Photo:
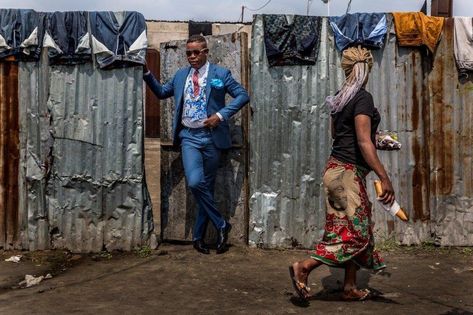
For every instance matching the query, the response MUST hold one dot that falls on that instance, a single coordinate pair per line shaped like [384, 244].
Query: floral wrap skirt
[348, 227]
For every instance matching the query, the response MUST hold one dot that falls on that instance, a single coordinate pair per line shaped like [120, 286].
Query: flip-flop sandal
[352, 296]
[301, 289]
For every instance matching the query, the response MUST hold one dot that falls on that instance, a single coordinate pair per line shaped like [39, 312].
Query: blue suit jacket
[215, 100]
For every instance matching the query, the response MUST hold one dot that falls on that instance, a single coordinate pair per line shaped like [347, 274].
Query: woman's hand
[387, 196]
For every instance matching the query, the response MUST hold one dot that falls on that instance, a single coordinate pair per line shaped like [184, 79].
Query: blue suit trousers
[201, 159]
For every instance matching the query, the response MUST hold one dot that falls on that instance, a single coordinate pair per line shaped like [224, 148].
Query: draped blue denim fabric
[118, 38]
[67, 37]
[21, 33]
[367, 29]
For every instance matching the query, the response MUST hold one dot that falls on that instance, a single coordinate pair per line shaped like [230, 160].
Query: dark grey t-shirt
[345, 145]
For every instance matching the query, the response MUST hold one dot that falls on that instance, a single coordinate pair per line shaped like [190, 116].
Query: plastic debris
[15, 258]
[387, 140]
[32, 280]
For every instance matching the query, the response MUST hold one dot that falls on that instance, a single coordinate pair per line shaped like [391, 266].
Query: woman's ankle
[310, 264]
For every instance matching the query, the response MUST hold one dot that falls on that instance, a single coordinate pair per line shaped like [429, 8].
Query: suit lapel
[208, 86]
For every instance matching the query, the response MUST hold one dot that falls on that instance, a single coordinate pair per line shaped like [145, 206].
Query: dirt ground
[177, 280]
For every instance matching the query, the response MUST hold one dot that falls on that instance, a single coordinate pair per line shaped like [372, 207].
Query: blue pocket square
[216, 83]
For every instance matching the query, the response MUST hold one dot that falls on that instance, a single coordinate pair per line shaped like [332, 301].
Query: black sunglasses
[195, 52]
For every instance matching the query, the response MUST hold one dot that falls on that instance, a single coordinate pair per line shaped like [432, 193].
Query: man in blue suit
[200, 126]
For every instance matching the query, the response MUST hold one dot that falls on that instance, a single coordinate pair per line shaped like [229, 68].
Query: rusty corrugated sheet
[289, 144]
[397, 82]
[451, 148]
[35, 142]
[82, 155]
[418, 95]
[9, 153]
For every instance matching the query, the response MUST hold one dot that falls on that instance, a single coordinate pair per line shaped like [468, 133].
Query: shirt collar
[202, 69]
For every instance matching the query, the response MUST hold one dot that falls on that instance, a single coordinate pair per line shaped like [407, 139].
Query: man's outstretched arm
[160, 90]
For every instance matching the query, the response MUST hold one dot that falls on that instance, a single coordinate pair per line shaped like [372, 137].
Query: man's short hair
[197, 39]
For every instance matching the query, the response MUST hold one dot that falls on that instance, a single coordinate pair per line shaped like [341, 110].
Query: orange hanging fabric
[416, 29]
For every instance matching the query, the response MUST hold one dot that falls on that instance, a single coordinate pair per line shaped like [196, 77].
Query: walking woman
[348, 238]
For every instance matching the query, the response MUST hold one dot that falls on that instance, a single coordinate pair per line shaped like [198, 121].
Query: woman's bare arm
[368, 150]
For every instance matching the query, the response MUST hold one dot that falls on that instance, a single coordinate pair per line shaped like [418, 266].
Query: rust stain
[9, 152]
[420, 183]
[3, 137]
[421, 171]
[464, 132]
[442, 113]
[466, 140]
[415, 101]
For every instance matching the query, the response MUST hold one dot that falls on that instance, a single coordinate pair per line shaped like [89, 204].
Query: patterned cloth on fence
[67, 38]
[118, 38]
[292, 40]
[21, 33]
[348, 227]
[463, 38]
[367, 29]
[416, 29]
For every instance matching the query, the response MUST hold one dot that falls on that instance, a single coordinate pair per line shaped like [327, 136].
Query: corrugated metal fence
[80, 179]
[417, 95]
[79, 150]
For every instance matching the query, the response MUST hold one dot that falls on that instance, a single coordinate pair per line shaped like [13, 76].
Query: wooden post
[245, 69]
[442, 8]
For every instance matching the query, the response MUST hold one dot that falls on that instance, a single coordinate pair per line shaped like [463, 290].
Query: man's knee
[195, 181]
